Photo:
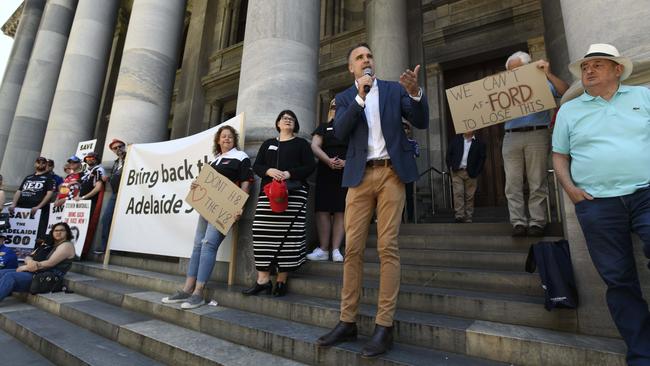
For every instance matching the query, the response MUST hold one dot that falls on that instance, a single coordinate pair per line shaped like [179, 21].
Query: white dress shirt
[467, 145]
[376, 143]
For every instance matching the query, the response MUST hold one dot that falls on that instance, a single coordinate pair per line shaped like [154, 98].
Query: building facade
[151, 70]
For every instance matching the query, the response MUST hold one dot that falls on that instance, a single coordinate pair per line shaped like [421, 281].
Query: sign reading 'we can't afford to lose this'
[216, 198]
[499, 98]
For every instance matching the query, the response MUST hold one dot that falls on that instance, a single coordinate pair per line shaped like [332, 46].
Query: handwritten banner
[216, 198]
[499, 98]
[155, 179]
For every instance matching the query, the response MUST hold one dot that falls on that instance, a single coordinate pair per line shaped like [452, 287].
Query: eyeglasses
[59, 231]
[287, 118]
[117, 147]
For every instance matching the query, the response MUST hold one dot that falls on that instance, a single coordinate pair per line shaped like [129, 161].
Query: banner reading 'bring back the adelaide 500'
[150, 214]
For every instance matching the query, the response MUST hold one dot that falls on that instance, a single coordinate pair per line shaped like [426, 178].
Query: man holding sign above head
[525, 154]
[600, 155]
[236, 166]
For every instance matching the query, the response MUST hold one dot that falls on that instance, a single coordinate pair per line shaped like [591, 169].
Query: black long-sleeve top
[296, 157]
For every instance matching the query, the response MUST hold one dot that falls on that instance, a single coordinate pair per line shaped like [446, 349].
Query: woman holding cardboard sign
[236, 166]
[283, 163]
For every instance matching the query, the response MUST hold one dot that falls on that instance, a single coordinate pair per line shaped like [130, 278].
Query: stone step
[15, 352]
[165, 342]
[506, 308]
[501, 261]
[279, 336]
[507, 343]
[464, 242]
[510, 282]
[472, 229]
[480, 305]
[63, 342]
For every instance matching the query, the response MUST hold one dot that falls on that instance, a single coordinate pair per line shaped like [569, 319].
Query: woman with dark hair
[236, 166]
[58, 261]
[279, 233]
[330, 195]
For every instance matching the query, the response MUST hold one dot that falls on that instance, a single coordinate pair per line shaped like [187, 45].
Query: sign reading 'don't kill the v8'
[499, 98]
[216, 198]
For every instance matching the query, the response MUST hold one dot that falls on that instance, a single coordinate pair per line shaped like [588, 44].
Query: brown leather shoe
[380, 342]
[342, 332]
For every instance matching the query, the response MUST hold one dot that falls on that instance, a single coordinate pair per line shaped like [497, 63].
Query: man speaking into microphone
[379, 162]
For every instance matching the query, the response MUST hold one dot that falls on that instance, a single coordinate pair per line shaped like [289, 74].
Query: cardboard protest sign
[499, 98]
[216, 198]
[22, 234]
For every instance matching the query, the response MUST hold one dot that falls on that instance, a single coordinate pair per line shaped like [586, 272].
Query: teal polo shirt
[609, 142]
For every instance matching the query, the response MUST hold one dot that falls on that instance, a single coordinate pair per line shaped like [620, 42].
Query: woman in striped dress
[279, 237]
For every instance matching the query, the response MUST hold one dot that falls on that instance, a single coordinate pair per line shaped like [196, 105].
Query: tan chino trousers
[381, 189]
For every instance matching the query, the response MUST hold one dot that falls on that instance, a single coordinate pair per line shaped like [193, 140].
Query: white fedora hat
[606, 51]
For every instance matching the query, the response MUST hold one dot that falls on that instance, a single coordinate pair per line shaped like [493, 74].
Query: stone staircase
[465, 300]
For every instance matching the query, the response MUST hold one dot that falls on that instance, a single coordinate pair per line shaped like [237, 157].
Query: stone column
[16, 68]
[279, 70]
[387, 36]
[190, 101]
[626, 28]
[555, 39]
[33, 108]
[141, 105]
[79, 90]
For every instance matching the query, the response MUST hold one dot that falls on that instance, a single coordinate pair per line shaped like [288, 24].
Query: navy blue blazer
[350, 125]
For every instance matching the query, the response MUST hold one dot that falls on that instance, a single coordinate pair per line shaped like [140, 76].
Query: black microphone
[367, 71]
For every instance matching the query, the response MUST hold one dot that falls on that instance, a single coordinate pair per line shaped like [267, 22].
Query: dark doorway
[491, 182]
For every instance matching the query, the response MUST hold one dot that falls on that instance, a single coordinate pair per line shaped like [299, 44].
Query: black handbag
[4, 222]
[44, 282]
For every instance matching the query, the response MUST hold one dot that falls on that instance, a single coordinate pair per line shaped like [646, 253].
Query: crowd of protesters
[610, 204]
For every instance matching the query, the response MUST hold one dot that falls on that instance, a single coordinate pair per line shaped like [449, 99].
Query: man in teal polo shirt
[601, 155]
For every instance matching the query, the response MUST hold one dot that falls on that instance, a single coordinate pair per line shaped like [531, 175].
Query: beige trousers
[464, 189]
[380, 189]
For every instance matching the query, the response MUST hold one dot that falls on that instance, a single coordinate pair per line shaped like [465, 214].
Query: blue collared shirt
[608, 141]
[542, 118]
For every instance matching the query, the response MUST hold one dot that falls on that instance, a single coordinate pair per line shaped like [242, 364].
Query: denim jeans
[607, 224]
[10, 281]
[206, 243]
[107, 219]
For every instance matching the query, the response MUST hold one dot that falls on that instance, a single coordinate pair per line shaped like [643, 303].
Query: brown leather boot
[342, 332]
[380, 342]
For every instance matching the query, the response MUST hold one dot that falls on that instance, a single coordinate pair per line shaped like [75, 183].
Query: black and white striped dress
[271, 229]
[277, 243]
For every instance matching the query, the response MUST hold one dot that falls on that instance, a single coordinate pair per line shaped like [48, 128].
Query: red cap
[276, 191]
[115, 141]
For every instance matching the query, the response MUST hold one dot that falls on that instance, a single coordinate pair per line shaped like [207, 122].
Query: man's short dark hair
[362, 44]
[50, 162]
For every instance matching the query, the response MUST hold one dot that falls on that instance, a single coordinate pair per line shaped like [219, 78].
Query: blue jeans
[107, 219]
[206, 243]
[10, 281]
[607, 224]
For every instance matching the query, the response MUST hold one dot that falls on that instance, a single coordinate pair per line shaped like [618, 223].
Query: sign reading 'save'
[216, 198]
[499, 98]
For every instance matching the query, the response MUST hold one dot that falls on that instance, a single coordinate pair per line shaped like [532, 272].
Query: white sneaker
[337, 256]
[318, 255]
